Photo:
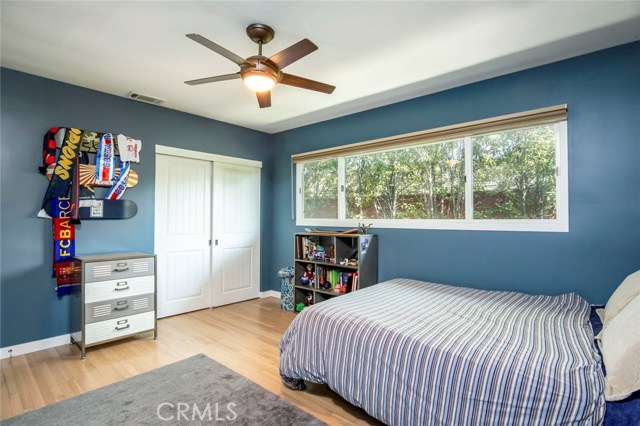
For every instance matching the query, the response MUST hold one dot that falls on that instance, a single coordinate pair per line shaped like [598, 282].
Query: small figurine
[308, 299]
[299, 307]
[353, 262]
[311, 252]
[308, 277]
[319, 254]
[344, 261]
[363, 229]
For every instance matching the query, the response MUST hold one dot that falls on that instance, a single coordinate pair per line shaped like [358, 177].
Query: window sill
[556, 225]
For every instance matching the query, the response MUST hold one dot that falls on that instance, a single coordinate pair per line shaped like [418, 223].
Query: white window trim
[559, 224]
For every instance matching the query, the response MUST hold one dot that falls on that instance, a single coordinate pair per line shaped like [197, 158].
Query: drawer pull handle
[121, 288]
[121, 269]
[123, 328]
[121, 308]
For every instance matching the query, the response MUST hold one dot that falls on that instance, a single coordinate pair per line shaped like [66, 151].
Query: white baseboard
[270, 293]
[38, 345]
[52, 342]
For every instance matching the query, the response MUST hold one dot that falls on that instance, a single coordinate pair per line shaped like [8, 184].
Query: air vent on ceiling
[145, 98]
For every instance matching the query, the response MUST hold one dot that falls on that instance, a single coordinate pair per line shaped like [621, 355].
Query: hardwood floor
[244, 337]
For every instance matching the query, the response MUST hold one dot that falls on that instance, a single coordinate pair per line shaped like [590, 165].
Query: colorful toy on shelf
[309, 250]
[308, 299]
[364, 229]
[299, 307]
[319, 253]
[308, 277]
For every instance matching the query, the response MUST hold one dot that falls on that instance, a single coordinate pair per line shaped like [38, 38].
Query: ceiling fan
[260, 73]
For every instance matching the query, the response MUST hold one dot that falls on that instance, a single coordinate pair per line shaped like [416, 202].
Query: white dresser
[115, 298]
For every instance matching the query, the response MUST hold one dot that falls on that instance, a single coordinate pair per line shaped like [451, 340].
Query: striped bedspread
[416, 353]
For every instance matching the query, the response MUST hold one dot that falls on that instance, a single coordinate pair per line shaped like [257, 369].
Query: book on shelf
[335, 280]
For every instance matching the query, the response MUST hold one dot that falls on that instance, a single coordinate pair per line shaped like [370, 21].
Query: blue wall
[31, 105]
[602, 91]
[602, 247]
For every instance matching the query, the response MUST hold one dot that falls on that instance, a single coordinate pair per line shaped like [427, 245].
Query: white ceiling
[375, 53]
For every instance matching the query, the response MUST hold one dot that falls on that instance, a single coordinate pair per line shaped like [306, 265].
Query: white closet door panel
[236, 228]
[183, 233]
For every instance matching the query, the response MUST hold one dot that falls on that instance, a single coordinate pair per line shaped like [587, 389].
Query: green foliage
[514, 174]
[513, 178]
[320, 189]
[414, 183]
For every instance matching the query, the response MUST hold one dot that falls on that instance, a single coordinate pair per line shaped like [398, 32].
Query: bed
[416, 353]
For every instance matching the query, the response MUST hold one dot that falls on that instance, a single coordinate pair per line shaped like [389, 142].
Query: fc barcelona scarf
[63, 243]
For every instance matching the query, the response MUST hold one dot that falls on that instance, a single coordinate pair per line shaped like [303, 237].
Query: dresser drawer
[116, 308]
[118, 269]
[119, 327]
[118, 289]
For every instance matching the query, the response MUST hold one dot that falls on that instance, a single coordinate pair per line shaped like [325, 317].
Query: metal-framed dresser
[114, 298]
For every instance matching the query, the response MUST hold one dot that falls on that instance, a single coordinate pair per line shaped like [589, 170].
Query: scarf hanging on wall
[105, 167]
[120, 185]
[64, 248]
[64, 170]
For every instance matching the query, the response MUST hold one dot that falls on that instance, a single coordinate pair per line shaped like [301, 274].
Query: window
[514, 174]
[320, 189]
[512, 179]
[424, 182]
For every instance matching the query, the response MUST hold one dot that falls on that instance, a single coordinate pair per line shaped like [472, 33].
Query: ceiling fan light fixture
[259, 81]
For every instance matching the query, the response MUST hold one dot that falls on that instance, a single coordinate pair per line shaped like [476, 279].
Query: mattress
[416, 353]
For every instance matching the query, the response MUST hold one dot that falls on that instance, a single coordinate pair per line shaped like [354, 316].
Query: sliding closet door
[183, 233]
[236, 230]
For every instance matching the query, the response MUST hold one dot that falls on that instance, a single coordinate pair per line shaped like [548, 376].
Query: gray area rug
[194, 391]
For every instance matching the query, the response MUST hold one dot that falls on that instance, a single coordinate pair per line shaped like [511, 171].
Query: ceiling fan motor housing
[260, 65]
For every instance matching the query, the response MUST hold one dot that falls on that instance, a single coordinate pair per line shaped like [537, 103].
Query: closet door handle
[123, 328]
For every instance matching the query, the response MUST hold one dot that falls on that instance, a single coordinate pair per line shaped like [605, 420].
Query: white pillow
[625, 293]
[620, 347]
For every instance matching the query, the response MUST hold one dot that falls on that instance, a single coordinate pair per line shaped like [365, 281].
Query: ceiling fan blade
[305, 83]
[264, 99]
[213, 79]
[217, 48]
[293, 53]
